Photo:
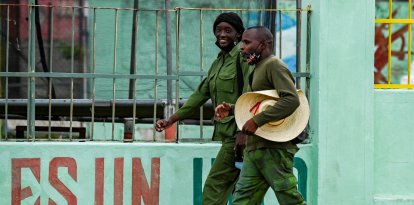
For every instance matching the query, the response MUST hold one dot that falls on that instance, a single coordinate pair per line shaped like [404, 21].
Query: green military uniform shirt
[271, 73]
[220, 85]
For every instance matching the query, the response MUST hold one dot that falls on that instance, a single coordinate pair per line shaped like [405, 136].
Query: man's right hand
[239, 146]
[160, 125]
[222, 111]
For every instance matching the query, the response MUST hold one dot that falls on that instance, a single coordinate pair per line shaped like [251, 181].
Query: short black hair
[264, 34]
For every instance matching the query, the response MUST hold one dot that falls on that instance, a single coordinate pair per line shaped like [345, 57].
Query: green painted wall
[89, 173]
[342, 101]
[393, 161]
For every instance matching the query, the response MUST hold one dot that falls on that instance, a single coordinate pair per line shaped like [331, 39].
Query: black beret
[231, 18]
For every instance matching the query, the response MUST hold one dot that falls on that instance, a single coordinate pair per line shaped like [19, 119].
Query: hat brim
[287, 130]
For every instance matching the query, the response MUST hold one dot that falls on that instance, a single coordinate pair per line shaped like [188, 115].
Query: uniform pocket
[225, 129]
[226, 82]
[284, 184]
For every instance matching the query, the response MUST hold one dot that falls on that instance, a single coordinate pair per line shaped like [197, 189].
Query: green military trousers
[222, 177]
[263, 168]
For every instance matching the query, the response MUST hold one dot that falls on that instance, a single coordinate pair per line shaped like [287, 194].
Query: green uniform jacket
[271, 73]
[220, 85]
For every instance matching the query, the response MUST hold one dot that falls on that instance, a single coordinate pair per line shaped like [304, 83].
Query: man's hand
[222, 111]
[239, 146]
[160, 125]
[249, 127]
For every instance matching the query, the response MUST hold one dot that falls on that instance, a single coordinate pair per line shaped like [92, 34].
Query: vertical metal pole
[3, 124]
[260, 17]
[155, 72]
[169, 109]
[280, 34]
[169, 53]
[177, 62]
[133, 64]
[271, 17]
[308, 45]
[298, 39]
[51, 12]
[94, 72]
[72, 71]
[7, 70]
[389, 44]
[134, 88]
[409, 42]
[114, 72]
[31, 69]
[82, 46]
[49, 20]
[172, 131]
[201, 68]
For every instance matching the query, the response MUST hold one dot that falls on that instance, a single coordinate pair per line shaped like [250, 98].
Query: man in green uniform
[221, 84]
[267, 163]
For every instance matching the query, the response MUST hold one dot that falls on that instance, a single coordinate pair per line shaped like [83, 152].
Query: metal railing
[90, 111]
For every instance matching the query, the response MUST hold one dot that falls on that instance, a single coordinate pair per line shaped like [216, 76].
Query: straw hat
[252, 103]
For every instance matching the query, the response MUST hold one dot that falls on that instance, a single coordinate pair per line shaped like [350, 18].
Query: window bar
[169, 57]
[156, 71]
[132, 68]
[177, 65]
[72, 71]
[308, 40]
[1, 54]
[260, 17]
[280, 34]
[298, 40]
[93, 72]
[201, 69]
[31, 69]
[51, 28]
[114, 72]
[389, 43]
[7, 70]
[241, 13]
[409, 41]
[134, 81]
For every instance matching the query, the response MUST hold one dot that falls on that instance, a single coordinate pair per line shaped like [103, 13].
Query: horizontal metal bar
[21, 129]
[395, 21]
[301, 75]
[204, 73]
[82, 108]
[394, 86]
[85, 75]
[81, 102]
[254, 10]
[199, 140]
[172, 10]
[117, 76]
[87, 7]
[193, 73]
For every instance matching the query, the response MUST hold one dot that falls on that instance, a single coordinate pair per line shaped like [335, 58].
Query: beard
[250, 58]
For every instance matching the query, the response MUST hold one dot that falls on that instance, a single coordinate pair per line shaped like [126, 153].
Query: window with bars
[393, 45]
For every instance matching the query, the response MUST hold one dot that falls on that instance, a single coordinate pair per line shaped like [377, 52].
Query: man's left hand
[239, 146]
[249, 127]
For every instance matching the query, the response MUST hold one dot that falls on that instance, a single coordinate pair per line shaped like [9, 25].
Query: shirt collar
[234, 51]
